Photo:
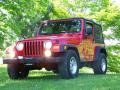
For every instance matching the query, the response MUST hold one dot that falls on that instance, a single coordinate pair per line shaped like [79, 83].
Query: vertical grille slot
[32, 48]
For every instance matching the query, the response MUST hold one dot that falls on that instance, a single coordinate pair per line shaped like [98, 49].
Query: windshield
[54, 27]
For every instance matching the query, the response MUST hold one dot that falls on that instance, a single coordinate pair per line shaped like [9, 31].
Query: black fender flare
[66, 47]
[99, 49]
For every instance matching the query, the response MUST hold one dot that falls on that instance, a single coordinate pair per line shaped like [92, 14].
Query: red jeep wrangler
[63, 46]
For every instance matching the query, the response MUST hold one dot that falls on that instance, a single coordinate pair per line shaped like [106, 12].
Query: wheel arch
[71, 47]
[98, 50]
[103, 50]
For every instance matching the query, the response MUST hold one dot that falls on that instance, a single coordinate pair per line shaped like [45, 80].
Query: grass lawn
[42, 80]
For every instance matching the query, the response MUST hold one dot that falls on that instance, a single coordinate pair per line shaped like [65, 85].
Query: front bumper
[33, 60]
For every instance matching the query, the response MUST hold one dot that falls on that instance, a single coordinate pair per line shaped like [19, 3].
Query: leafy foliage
[19, 18]
[114, 58]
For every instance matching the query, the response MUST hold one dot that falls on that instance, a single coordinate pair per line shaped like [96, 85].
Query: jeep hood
[62, 38]
[49, 37]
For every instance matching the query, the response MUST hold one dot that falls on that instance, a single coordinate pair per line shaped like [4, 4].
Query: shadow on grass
[45, 75]
[50, 76]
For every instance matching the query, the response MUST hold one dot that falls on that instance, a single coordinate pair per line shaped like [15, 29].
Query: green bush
[114, 58]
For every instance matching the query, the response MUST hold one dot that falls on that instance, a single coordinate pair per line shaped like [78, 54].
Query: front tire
[100, 65]
[69, 68]
[17, 71]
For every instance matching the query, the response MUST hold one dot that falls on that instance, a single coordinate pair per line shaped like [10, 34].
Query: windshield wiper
[46, 33]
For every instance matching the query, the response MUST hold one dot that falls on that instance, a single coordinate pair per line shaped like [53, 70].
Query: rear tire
[17, 72]
[100, 65]
[55, 71]
[69, 68]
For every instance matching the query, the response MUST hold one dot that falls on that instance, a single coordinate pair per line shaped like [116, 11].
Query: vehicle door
[87, 44]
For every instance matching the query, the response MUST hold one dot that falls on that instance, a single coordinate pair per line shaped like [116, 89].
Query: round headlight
[20, 46]
[47, 44]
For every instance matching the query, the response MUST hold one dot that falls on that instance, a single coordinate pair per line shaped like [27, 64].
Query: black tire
[55, 71]
[100, 65]
[65, 68]
[17, 71]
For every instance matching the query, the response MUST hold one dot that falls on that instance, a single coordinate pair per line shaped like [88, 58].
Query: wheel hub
[73, 65]
[103, 65]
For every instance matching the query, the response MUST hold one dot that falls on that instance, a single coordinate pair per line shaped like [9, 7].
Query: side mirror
[88, 31]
